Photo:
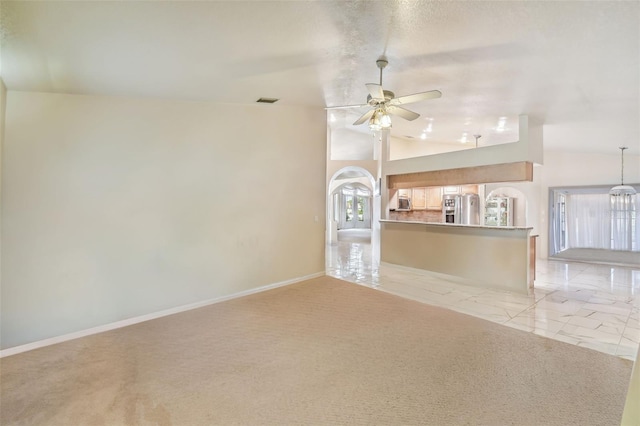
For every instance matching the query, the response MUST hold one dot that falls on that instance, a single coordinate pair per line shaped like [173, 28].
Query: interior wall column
[380, 198]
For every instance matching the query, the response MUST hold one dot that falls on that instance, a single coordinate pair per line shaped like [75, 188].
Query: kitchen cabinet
[460, 189]
[404, 193]
[434, 198]
[428, 198]
[419, 198]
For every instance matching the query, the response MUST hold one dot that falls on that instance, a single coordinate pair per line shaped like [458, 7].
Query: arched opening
[513, 204]
[350, 202]
[353, 229]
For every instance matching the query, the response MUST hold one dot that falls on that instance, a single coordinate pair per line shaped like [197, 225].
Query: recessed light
[267, 100]
[423, 136]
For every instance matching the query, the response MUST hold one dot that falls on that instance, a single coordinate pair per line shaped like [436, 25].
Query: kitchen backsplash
[417, 216]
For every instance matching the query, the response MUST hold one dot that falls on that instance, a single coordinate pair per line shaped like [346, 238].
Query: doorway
[353, 203]
[353, 229]
[583, 226]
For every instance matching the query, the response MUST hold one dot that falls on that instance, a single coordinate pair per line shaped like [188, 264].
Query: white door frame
[342, 197]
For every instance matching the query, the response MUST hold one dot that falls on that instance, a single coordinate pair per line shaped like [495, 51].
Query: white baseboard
[130, 321]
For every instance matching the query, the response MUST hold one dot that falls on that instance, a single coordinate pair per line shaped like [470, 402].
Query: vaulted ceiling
[572, 65]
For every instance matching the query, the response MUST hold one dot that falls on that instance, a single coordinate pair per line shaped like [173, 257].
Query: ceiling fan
[384, 103]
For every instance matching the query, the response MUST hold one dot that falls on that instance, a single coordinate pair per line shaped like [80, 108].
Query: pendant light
[622, 199]
[622, 189]
[477, 137]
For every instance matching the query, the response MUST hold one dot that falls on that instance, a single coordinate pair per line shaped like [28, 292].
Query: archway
[355, 182]
[352, 251]
[519, 208]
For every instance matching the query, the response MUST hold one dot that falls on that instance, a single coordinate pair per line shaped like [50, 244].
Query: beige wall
[631, 413]
[115, 207]
[3, 101]
[402, 148]
[587, 168]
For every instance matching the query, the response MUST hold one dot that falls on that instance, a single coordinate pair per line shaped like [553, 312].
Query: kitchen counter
[459, 225]
[485, 256]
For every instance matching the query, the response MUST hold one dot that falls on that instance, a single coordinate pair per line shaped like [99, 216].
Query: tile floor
[590, 305]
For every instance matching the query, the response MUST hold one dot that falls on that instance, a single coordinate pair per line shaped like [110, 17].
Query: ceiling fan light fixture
[385, 120]
[380, 120]
[374, 123]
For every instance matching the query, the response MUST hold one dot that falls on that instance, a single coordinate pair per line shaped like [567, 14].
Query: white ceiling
[572, 65]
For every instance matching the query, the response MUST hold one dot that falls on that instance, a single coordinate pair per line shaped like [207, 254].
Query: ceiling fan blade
[416, 97]
[347, 106]
[375, 90]
[402, 112]
[366, 116]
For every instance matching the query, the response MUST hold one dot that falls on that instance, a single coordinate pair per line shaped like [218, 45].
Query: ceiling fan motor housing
[382, 62]
[388, 95]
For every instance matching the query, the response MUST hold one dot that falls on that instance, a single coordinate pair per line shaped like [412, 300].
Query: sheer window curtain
[557, 215]
[589, 224]
[589, 221]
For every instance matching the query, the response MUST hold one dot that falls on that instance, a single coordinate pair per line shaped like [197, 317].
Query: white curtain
[624, 223]
[589, 221]
[557, 230]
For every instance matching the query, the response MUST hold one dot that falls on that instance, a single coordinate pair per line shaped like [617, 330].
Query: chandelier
[622, 189]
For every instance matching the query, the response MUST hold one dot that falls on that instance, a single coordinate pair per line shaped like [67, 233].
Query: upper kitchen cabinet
[434, 198]
[419, 198]
[426, 198]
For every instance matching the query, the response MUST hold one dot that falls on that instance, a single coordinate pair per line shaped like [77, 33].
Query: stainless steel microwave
[404, 204]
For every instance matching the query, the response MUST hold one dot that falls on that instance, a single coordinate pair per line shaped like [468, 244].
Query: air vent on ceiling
[408, 137]
[267, 100]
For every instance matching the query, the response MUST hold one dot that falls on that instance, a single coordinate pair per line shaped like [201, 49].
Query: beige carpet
[319, 352]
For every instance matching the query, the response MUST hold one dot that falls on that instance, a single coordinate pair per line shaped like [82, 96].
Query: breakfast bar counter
[486, 256]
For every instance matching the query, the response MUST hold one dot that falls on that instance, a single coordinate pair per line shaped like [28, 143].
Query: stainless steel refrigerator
[463, 209]
[469, 209]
